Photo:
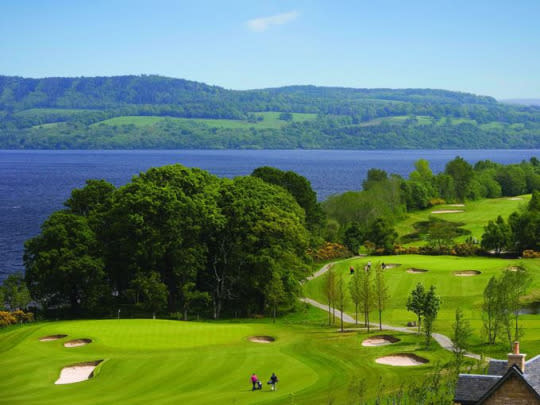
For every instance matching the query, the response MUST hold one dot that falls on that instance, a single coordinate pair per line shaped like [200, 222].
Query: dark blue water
[33, 184]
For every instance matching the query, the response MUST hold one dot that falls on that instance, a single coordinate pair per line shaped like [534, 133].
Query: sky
[483, 47]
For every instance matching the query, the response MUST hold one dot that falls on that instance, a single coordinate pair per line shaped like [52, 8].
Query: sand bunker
[467, 273]
[402, 359]
[51, 337]
[391, 265]
[515, 268]
[515, 198]
[262, 339]
[77, 372]
[412, 270]
[447, 211]
[380, 340]
[77, 342]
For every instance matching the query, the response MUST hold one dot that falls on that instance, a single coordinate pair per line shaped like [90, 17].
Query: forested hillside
[160, 112]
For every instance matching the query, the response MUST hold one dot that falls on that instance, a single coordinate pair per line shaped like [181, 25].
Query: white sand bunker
[77, 372]
[467, 273]
[413, 270]
[447, 211]
[515, 198]
[402, 359]
[515, 268]
[262, 339]
[380, 340]
[51, 337]
[77, 342]
[391, 265]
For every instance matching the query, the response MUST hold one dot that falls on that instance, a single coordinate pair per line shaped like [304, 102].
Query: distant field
[174, 362]
[270, 120]
[475, 216]
[454, 291]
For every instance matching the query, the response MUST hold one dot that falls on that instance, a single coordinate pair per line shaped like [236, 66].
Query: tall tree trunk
[329, 312]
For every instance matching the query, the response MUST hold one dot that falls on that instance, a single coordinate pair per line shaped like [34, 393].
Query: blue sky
[483, 47]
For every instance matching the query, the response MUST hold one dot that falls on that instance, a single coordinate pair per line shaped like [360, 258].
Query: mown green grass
[159, 361]
[465, 292]
[476, 215]
[270, 121]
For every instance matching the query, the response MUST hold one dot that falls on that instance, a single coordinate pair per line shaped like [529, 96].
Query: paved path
[444, 341]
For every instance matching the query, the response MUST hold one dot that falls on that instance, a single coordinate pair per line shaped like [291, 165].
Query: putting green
[159, 361]
[465, 292]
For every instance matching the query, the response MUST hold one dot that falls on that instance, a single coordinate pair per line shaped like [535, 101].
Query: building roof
[475, 388]
[471, 387]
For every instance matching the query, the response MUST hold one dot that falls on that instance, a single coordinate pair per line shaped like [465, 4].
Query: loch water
[33, 184]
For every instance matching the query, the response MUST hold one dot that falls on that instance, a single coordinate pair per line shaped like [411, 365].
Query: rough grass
[270, 120]
[158, 361]
[465, 292]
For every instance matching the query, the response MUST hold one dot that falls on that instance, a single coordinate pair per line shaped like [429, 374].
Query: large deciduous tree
[62, 264]
[497, 236]
[462, 173]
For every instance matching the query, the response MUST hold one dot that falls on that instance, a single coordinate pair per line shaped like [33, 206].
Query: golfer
[273, 381]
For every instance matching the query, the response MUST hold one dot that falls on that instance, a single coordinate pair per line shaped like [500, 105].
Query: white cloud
[263, 23]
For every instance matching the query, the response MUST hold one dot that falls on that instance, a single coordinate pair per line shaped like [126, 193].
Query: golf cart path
[444, 341]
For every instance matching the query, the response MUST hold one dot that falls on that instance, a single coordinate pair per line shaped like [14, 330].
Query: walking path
[444, 341]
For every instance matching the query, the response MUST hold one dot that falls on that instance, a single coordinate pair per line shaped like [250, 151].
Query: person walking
[254, 380]
[273, 381]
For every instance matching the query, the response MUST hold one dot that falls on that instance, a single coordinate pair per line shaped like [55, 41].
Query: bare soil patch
[446, 211]
[413, 270]
[262, 339]
[380, 340]
[51, 338]
[77, 372]
[77, 342]
[402, 359]
[467, 273]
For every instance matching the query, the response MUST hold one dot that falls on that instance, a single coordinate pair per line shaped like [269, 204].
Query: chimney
[516, 358]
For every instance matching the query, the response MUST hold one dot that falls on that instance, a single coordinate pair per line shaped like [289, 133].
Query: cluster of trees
[366, 289]
[14, 298]
[455, 120]
[520, 233]
[14, 294]
[366, 217]
[501, 306]
[426, 305]
[176, 240]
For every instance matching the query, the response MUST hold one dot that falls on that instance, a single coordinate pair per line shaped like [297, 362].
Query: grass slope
[454, 291]
[475, 216]
[158, 361]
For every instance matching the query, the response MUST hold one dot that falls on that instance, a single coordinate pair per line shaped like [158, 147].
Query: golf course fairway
[164, 361]
[446, 273]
